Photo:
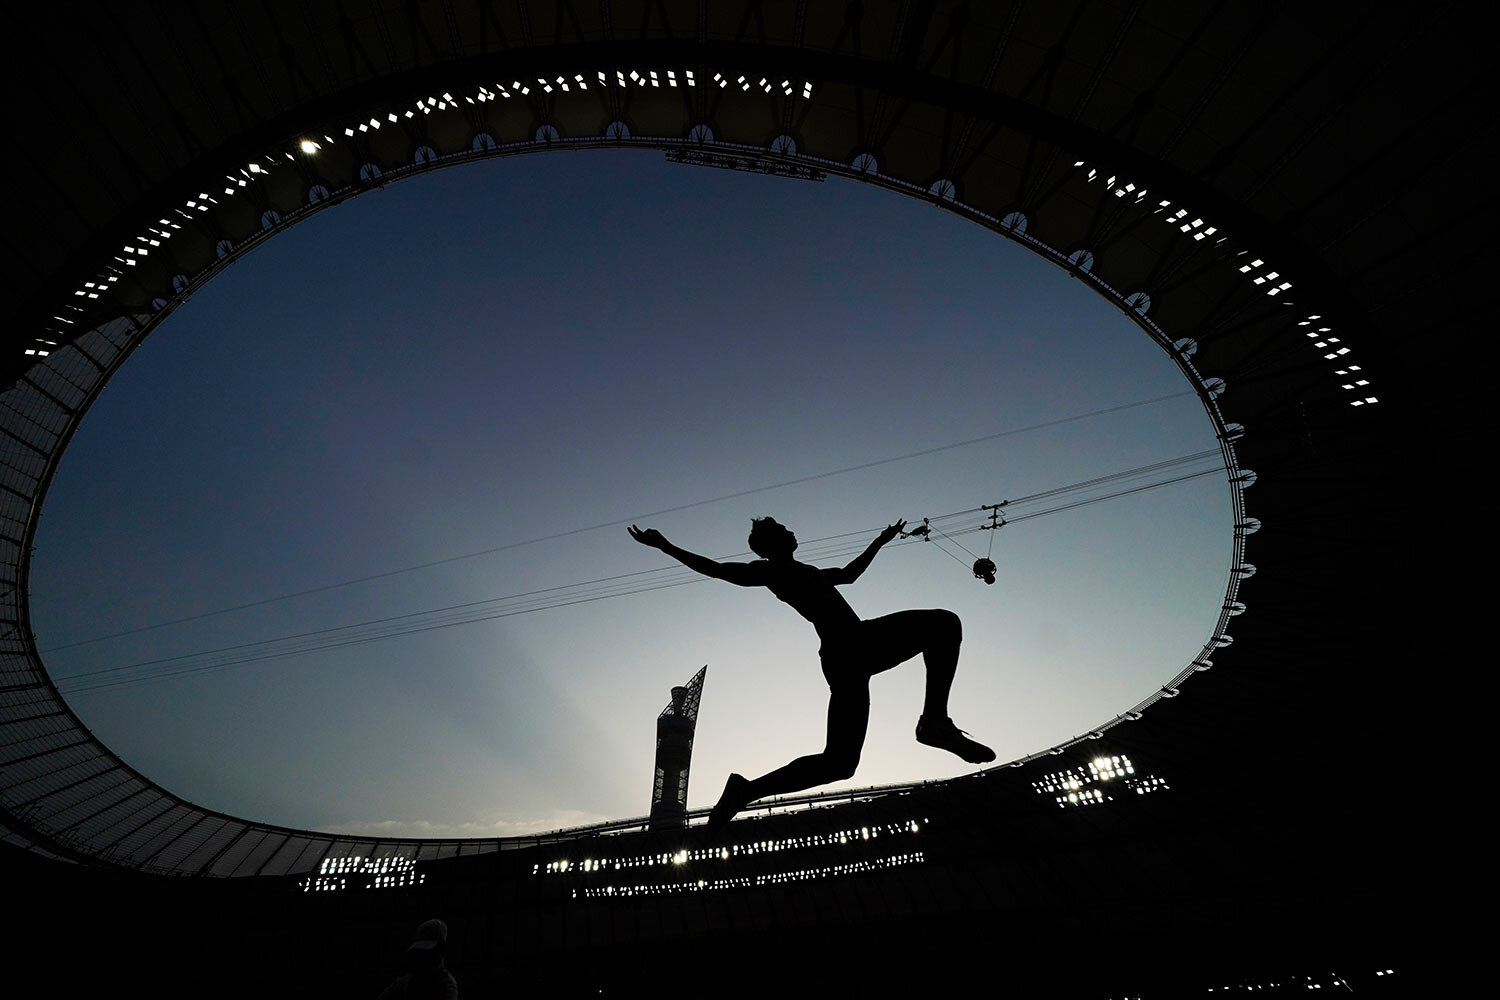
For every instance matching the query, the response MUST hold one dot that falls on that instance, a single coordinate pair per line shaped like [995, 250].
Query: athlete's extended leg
[941, 634]
[848, 718]
[936, 634]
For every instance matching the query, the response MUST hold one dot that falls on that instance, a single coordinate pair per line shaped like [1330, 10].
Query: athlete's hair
[760, 529]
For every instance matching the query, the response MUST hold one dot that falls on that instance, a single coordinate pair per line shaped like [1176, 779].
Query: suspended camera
[984, 569]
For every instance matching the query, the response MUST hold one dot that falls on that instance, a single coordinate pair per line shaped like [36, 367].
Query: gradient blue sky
[511, 349]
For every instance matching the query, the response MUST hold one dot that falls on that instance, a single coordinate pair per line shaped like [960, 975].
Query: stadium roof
[1295, 198]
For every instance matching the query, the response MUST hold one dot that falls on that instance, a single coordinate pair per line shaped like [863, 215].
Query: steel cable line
[324, 588]
[950, 538]
[541, 598]
[468, 613]
[457, 614]
[565, 595]
[497, 607]
[1114, 496]
[1213, 453]
[1016, 502]
[1011, 517]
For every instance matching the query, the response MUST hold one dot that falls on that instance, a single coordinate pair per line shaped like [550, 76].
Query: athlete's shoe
[734, 798]
[944, 735]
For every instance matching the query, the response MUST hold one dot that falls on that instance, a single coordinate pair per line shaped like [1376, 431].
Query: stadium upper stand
[1294, 200]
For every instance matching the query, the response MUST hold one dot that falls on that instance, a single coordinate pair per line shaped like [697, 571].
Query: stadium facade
[1290, 200]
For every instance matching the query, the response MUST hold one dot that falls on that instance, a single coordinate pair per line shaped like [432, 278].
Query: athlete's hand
[649, 536]
[891, 531]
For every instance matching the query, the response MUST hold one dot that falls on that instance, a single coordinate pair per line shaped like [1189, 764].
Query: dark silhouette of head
[425, 953]
[770, 539]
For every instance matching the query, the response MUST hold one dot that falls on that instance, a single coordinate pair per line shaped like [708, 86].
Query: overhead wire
[951, 539]
[267, 649]
[565, 595]
[1115, 476]
[386, 574]
[1114, 496]
[470, 611]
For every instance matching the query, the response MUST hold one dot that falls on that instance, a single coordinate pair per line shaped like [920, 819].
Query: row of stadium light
[727, 852]
[236, 182]
[130, 253]
[1258, 272]
[358, 863]
[383, 873]
[1079, 786]
[1332, 981]
[747, 881]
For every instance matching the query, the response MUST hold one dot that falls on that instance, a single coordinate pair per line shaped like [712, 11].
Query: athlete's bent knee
[948, 624]
[841, 765]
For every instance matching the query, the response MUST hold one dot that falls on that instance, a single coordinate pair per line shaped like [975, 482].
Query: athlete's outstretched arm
[743, 574]
[861, 562]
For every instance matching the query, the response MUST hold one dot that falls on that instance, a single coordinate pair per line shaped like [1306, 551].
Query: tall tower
[674, 752]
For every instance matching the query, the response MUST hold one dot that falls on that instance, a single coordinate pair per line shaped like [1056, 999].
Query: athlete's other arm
[743, 574]
[861, 562]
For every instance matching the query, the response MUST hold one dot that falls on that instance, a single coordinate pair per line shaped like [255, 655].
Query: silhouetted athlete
[853, 651]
